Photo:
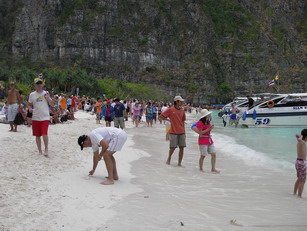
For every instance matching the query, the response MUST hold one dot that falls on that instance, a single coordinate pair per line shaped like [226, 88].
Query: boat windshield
[286, 101]
[294, 99]
[266, 97]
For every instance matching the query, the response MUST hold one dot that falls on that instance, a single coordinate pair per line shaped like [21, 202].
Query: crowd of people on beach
[40, 109]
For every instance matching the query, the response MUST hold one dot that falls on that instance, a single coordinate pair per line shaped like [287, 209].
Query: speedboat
[236, 101]
[284, 110]
[242, 103]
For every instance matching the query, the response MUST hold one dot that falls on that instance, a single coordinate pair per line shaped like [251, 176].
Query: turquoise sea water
[274, 146]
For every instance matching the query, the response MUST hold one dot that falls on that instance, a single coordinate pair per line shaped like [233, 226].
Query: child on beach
[225, 117]
[300, 163]
[206, 145]
[98, 107]
[136, 113]
[167, 129]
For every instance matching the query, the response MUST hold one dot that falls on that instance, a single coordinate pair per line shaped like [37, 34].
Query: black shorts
[29, 114]
[108, 119]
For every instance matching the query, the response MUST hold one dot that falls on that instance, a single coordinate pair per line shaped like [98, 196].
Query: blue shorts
[233, 116]
[150, 117]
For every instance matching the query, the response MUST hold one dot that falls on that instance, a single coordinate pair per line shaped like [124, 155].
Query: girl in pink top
[205, 142]
[137, 114]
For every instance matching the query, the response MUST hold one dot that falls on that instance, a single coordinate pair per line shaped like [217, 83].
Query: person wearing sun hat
[111, 140]
[177, 118]
[206, 145]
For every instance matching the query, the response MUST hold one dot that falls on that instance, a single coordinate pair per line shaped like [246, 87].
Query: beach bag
[19, 119]
[64, 118]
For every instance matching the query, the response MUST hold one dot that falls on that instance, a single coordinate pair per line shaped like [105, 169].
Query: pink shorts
[300, 166]
[40, 128]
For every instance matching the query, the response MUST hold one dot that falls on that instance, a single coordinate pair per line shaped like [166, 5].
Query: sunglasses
[39, 83]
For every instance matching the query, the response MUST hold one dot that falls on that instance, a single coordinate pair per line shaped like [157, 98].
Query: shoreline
[56, 194]
[255, 196]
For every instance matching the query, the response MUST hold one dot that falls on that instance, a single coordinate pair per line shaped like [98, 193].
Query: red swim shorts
[40, 128]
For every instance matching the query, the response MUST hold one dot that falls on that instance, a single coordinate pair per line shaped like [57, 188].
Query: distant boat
[284, 110]
[242, 103]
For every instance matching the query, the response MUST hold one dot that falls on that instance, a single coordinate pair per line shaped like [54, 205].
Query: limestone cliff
[205, 50]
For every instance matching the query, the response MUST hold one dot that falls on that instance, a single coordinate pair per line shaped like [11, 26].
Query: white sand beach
[56, 193]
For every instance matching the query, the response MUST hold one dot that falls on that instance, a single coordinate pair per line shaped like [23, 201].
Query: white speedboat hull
[278, 120]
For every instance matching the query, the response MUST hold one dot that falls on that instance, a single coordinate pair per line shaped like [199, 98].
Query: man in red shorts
[40, 100]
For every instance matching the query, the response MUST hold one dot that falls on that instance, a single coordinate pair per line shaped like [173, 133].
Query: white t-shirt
[40, 106]
[87, 107]
[163, 109]
[132, 106]
[103, 133]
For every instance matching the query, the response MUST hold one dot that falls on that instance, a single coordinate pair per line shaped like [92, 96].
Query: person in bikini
[300, 163]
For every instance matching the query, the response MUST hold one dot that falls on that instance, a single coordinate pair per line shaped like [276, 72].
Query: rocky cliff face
[205, 50]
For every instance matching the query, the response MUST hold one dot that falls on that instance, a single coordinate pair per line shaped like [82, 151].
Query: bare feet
[91, 173]
[46, 153]
[107, 182]
[201, 170]
[215, 171]
[115, 178]
[168, 161]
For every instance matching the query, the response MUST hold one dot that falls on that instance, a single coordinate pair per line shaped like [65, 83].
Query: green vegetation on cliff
[66, 80]
[207, 50]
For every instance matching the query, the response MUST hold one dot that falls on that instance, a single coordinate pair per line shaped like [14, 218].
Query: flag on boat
[276, 77]
[271, 83]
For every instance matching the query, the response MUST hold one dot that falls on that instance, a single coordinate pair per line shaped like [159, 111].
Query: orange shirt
[98, 108]
[177, 117]
[63, 103]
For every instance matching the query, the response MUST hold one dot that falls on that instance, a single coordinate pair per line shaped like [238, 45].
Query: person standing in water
[206, 145]
[300, 163]
[177, 118]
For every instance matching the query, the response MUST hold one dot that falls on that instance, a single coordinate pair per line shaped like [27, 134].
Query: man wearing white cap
[177, 117]
[38, 104]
